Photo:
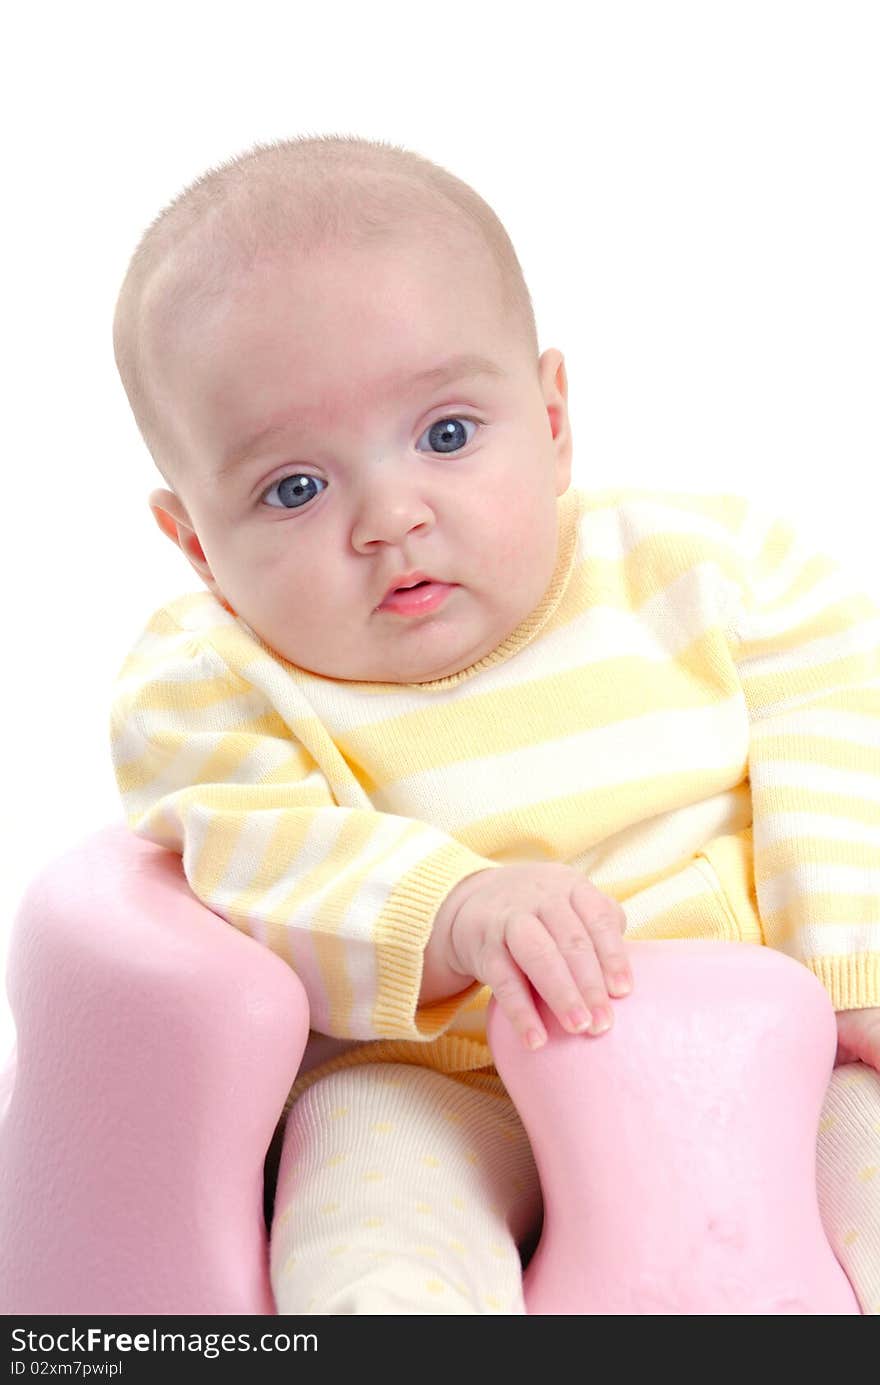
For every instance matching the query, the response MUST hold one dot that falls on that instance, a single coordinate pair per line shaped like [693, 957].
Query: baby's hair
[307, 191]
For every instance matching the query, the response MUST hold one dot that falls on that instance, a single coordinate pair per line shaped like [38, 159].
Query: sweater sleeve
[207, 767]
[806, 643]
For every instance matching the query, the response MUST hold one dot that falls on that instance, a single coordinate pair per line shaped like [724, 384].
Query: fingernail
[622, 985]
[535, 1039]
[601, 1022]
[578, 1020]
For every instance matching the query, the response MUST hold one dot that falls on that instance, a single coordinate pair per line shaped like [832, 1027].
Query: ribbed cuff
[853, 982]
[402, 936]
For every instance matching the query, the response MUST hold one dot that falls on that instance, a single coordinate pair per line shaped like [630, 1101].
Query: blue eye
[294, 491]
[445, 435]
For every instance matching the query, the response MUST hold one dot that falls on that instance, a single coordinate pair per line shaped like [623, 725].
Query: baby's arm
[347, 896]
[806, 645]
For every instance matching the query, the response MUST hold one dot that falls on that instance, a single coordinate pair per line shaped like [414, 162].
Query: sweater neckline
[569, 510]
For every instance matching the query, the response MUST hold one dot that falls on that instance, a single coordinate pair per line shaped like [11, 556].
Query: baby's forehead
[210, 288]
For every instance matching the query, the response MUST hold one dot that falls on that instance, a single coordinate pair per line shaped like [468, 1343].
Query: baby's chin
[421, 672]
[420, 665]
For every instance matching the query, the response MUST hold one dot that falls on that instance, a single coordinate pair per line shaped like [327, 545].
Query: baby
[438, 725]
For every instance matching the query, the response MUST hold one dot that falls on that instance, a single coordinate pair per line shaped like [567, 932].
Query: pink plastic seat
[156, 1046]
[680, 1148]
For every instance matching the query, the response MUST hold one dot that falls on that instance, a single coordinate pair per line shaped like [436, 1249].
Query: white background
[692, 190]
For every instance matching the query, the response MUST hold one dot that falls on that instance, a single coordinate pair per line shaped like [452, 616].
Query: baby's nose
[390, 516]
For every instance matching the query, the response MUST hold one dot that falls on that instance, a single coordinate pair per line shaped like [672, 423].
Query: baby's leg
[401, 1191]
[848, 1177]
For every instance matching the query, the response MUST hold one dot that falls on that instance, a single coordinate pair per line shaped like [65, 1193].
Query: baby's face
[370, 476]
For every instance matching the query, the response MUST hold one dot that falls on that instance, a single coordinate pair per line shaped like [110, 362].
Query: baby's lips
[407, 579]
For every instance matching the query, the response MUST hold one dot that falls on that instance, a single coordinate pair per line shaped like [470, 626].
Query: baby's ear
[554, 382]
[172, 518]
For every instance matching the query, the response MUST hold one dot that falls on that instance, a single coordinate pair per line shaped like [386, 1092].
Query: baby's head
[330, 352]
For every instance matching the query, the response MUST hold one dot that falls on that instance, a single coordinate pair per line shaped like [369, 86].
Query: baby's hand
[544, 924]
[858, 1037]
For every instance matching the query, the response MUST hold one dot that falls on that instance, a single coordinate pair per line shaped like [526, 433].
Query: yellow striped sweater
[691, 716]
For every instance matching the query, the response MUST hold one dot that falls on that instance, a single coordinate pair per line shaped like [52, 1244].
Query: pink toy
[677, 1153]
[156, 1046]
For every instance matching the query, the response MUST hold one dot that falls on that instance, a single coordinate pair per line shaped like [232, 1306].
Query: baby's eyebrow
[455, 368]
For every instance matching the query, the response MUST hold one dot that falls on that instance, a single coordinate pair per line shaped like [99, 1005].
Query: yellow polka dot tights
[401, 1191]
[848, 1177]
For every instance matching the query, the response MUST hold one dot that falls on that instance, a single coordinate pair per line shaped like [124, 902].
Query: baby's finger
[513, 994]
[575, 946]
[536, 953]
[605, 922]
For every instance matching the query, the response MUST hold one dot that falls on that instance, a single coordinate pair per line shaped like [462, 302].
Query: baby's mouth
[406, 581]
[416, 598]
